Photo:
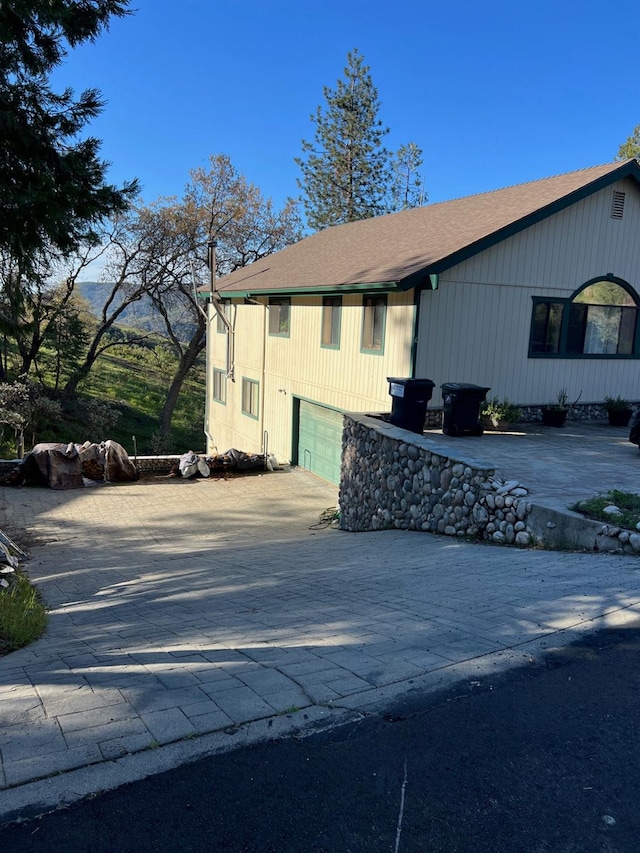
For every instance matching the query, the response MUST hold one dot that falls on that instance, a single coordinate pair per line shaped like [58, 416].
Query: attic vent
[617, 206]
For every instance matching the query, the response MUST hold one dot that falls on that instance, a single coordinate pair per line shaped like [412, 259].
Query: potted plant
[555, 414]
[499, 413]
[619, 411]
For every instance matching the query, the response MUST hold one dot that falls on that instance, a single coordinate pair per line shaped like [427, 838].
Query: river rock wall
[392, 478]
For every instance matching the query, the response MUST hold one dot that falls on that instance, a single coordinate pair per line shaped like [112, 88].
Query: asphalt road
[543, 759]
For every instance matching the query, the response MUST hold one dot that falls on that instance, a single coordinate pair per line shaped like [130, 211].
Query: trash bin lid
[411, 381]
[463, 386]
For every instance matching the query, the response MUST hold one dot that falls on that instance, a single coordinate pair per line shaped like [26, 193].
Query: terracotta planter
[554, 417]
[619, 417]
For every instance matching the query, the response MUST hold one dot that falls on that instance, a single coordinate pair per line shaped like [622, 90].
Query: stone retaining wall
[156, 464]
[145, 464]
[7, 465]
[567, 529]
[392, 478]
[578, 412]
[533, 414]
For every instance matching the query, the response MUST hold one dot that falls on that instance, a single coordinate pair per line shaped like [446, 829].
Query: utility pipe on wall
[265, 324]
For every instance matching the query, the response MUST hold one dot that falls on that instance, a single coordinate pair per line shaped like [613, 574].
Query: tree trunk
[30, 352]
[187, 360]
[71, 387]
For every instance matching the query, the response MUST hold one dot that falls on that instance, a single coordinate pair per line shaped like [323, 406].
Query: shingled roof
[400, 250]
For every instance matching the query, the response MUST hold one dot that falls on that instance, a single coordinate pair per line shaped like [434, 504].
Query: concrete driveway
[190, 617]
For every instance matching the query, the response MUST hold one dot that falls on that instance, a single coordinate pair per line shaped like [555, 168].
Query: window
[547, 323]
[600, 319]
[224, 307]
[250, 397]
[331, 311]
[375, 309]
[279, 309]
[219, 386]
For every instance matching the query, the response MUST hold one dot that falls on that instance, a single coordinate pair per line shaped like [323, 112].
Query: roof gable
[401, 250]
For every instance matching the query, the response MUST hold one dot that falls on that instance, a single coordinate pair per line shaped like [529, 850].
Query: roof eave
[377, 286]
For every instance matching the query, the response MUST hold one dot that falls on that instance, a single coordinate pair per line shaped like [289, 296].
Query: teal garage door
[320, 441]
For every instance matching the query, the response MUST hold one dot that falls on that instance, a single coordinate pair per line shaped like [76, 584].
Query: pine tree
[407, 189]
[346, 171]
[53, 189]
[630, 148]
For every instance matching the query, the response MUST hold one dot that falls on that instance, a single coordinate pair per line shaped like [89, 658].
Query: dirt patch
[24, 539]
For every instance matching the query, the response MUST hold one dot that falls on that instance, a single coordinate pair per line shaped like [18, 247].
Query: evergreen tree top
[347, 172]
[53, 189]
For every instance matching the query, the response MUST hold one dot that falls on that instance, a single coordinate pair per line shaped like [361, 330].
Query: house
[526, 290]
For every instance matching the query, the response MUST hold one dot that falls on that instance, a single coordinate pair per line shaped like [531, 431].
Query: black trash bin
[462, 408]
[409, 399]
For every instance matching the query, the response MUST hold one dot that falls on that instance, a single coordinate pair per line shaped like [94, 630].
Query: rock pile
[627, 541]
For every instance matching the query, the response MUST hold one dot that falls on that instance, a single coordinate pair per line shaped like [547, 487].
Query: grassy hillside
[136, 384]
[133, 382]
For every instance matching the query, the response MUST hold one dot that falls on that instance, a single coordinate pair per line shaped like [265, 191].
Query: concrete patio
[559, 466]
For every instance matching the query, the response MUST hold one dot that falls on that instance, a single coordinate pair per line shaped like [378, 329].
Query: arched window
[599, 320]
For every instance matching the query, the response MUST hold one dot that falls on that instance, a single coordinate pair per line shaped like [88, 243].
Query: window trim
[335, 304]
[371, 298]
[247, 382]
[222, 399]
[566, 302]
[278, 301]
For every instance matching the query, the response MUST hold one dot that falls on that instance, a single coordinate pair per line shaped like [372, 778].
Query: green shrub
[23, 616]
[498, 411]
[617, 403]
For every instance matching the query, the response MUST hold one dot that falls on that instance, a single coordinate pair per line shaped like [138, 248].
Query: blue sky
[495, 93]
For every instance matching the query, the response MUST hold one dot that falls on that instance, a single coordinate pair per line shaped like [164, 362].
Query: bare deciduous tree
[155, 251]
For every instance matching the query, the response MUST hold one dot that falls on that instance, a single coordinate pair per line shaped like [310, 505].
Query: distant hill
[140, 315]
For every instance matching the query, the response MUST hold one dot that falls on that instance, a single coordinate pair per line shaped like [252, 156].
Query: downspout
[418, 292]
[265, 438]
[229, 332]
[417, 297]
[205, 314]
[214, 297]
[265, 305]
[214, 300]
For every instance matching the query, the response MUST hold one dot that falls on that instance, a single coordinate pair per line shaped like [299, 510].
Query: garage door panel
[320, 441]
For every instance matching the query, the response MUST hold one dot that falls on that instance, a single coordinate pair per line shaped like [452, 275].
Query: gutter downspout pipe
[214, 297]
[265, 305]
[214, 300]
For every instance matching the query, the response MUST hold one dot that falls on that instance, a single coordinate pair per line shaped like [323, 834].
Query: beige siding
[228, 426]
[565, 250]
[481, 335]
[475, 327]
[298, 366]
